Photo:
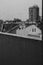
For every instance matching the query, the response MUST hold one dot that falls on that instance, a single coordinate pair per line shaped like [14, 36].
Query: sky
[10, 9]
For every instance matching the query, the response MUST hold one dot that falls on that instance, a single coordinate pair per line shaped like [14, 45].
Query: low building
[32, 31]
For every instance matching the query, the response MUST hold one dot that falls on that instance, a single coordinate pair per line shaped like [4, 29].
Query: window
[34, 30]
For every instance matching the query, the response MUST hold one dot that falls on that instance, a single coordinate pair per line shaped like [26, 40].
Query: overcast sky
[10, 9]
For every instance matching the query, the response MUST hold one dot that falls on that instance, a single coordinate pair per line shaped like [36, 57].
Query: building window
[34, 30]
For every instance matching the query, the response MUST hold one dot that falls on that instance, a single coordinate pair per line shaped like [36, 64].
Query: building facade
[34, 13]
[31, 31]
[30, 14]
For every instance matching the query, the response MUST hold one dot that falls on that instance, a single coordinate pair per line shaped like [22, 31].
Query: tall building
[30, 14]
[34, 13]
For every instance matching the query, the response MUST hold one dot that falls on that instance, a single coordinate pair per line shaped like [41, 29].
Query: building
[31, 31]
[34, 13]
[1, 25]
[30, 14]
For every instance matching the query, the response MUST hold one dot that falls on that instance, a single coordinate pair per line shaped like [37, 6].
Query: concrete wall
[20, 51]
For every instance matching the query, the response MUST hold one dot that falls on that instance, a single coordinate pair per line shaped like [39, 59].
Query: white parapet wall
[23, 36]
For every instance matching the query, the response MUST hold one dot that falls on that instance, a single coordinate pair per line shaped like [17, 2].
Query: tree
[16, 20]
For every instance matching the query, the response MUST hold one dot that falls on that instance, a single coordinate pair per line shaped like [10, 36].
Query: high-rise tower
[34, 13]
[30, 14]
